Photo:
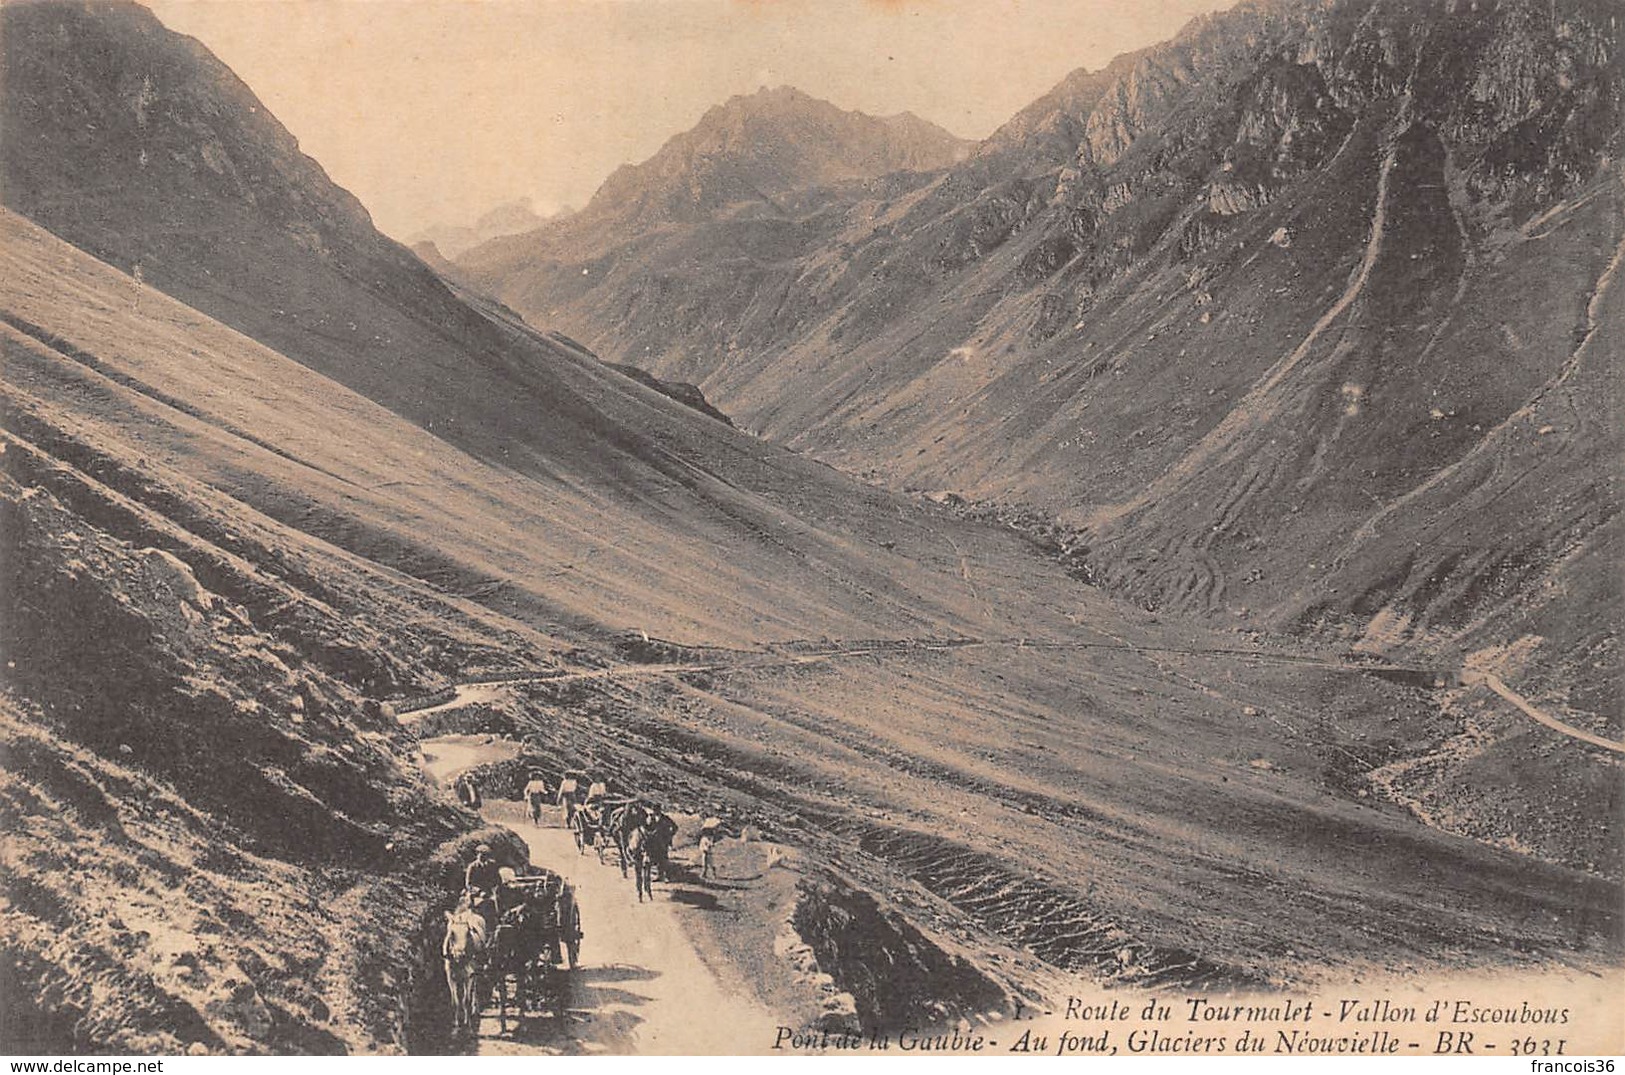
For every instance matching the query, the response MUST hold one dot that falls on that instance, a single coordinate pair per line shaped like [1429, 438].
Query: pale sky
[433, 111]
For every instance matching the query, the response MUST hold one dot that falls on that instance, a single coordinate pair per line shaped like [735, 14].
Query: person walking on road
[710, 830]
[536, 797]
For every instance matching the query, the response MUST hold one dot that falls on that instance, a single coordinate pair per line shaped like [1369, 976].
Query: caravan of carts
[514, 936]
[638, 833]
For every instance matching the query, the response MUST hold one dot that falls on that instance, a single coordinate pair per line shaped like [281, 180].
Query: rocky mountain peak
[754, 148]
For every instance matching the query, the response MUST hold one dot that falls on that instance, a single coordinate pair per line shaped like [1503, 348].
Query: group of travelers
[515, 927]
[639, 832]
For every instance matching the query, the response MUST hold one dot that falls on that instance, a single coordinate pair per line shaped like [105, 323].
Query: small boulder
[173, 572]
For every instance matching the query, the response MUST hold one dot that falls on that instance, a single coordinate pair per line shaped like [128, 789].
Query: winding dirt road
[643, 987]
[489, 691]
[1493, 682]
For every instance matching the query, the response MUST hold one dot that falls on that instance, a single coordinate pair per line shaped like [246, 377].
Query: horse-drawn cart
[593, 827]
[537, 935]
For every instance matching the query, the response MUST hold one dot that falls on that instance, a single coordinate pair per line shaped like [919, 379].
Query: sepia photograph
[838, 528]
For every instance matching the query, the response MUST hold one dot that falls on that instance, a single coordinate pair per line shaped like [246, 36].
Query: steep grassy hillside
[215, 838]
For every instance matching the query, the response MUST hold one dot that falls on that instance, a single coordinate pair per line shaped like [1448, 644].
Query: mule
[637, 850]
[463, 950]
[511, 958]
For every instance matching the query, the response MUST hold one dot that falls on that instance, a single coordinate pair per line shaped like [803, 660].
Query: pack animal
[637, 851]
[463, 950]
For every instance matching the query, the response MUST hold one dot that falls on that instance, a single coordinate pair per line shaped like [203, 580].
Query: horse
[637, 849]
[463, 948]
[622, 823]
[512, 955]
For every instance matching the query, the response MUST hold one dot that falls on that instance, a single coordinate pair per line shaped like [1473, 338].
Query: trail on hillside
[486, 691]
[642, 987]
[1529, 709]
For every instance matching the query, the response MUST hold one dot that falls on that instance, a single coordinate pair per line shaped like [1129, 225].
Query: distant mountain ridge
[1218, 314]
[755, 155]
[509, 218]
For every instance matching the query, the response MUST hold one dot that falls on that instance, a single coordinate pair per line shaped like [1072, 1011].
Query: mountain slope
[1210, 311]
[265, 245]
[364, 571]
